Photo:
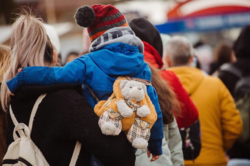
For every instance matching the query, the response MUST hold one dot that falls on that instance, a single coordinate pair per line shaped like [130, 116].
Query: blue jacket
[98, 70]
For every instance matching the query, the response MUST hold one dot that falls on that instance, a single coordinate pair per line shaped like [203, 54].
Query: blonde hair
[4, 64]
[4, 60]
[30, 46]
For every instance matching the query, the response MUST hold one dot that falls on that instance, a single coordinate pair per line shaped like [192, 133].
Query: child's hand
[19, 70]
[154, 157]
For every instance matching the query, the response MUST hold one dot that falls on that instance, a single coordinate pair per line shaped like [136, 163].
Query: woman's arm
[72, 73]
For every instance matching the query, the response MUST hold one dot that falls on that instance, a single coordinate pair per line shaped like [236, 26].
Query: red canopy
[196, 8]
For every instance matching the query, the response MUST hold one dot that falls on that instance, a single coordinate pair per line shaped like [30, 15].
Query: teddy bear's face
[133, 90]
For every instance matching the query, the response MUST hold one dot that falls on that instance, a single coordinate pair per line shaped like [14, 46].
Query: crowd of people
[202, 117]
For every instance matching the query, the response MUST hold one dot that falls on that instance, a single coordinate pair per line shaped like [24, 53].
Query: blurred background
[204, 22]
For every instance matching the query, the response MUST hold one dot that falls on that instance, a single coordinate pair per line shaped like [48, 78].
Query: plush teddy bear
[128, 109]
[132, 90]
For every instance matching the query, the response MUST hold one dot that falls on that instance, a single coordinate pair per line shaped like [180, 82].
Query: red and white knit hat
[99, 18]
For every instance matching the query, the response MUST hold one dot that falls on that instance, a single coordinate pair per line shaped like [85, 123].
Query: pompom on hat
[99, 18]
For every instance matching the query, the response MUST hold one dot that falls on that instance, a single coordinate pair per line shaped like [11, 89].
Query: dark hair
[72, 53]
[198, 44]
[48, 54]
[223, 53]
[241, 45]
[167, 99]
[147, 32]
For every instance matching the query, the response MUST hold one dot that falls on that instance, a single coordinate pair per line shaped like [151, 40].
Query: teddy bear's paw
[108, 128]
[143, 111]
[124, 110]
[140, 143]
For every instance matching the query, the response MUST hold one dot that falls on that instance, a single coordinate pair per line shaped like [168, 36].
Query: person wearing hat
[153, 51]
[188, 114]
[114, 51]
[239, 154]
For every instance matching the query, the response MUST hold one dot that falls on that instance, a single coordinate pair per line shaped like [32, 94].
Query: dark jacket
[230, 80]
[3, 126]
[242, 52]
[63, 118]
[214, 67]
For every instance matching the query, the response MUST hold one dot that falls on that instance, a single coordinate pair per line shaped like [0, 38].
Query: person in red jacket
[153, 50]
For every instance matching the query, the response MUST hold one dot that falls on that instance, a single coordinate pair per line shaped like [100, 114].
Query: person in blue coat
[114, 51]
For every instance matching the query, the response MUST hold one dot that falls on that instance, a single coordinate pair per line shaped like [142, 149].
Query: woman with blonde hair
[4, 59]
[64, 116]
[4, 64]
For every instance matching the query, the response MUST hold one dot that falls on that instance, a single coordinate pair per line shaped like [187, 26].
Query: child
[114, 51]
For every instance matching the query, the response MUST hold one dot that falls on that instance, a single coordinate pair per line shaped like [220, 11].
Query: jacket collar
[152, 56]
[119, 59]
[117, 35]
[190, 77]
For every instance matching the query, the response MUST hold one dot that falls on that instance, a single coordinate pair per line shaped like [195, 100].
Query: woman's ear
[168, 61]
[55, 57]
[191, 60]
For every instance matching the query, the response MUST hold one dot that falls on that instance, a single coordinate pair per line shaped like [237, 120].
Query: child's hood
[119, 59]
[117, 35]
[118, 52]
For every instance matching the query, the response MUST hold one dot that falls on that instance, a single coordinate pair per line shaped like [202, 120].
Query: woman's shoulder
[58, 97]
[65, 98]
[173, 80]
[169, 76]
[168, 73]
[67, 108]
[66, 94]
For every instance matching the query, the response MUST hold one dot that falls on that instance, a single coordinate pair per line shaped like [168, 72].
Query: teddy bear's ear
[123, 83]
[144, 88]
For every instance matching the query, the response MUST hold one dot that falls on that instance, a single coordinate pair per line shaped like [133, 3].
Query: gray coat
[171, 146]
